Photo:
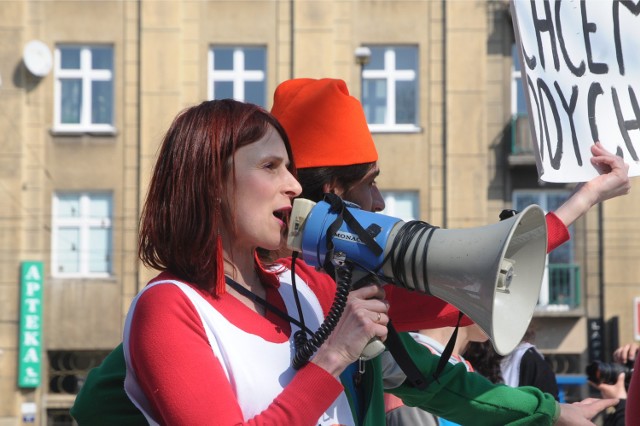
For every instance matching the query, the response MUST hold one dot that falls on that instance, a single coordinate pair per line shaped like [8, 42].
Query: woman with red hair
[209, 339]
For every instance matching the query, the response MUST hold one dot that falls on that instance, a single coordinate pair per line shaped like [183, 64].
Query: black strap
[405, 362]
[259, 300]
[338, 206]
[448, 350]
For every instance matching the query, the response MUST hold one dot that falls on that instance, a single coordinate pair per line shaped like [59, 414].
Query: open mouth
[283, 215]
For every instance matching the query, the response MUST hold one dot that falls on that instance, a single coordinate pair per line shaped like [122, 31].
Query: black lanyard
[259, 300]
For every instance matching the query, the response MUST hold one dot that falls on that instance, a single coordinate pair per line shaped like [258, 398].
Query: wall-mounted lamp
[362, 55]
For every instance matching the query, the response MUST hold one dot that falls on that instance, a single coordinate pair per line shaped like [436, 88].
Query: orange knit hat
[326, 126]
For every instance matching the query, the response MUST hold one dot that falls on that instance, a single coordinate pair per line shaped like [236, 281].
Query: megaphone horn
[492, 273]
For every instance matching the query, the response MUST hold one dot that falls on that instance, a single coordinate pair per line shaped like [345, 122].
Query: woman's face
[365, 193]
[260, 197]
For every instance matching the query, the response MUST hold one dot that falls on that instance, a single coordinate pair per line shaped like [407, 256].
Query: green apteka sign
[30, 350]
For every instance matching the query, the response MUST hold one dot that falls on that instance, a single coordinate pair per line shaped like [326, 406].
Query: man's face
[365, 193]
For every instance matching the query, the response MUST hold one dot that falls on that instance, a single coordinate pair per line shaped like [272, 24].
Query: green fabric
[102, 399]
[463, 397]
[470, 399]
[374, 395]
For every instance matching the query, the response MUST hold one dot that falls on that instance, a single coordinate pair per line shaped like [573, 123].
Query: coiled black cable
[306, 347]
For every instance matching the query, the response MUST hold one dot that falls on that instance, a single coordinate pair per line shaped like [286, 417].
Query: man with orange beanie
[334, 152]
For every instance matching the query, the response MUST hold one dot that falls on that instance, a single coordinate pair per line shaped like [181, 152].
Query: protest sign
[581, 76]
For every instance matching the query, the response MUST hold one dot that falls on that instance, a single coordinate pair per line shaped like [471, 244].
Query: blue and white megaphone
[492, 274]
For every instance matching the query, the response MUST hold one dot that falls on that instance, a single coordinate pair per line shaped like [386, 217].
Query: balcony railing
[521, 141]
[564, 287]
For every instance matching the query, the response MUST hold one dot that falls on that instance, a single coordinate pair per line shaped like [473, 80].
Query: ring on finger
[379, 317]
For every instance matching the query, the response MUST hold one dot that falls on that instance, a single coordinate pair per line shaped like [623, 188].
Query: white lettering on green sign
[29, 367]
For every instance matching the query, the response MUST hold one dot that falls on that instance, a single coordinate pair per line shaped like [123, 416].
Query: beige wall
[456, 161]
[12, 135]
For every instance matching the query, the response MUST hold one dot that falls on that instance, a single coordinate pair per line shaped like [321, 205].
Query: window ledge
[402, 128]
[525, 159]
[559, 311]
[84, 132]
[56, 400]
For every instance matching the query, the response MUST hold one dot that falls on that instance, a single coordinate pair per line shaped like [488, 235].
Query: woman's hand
[364, 317]
[581, 413]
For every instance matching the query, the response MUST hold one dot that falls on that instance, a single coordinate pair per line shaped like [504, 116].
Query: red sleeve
[185, 382]
[557, 232]
[412, 311]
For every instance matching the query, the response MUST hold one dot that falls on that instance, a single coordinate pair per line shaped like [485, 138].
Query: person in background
[468, 398]
[481, 357]
[621, 415]
[622, 355]
[524, 366]
[435, 340]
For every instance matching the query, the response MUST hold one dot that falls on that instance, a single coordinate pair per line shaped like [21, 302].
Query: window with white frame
[390, 88]
[238, 72]
[82, 234]
[560, 261]
[401, 204]
[84, 91]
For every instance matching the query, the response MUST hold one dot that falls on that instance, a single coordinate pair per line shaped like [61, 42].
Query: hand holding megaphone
[344, 274]
[370, 296]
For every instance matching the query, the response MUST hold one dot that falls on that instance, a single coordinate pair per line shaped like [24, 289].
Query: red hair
[182, 215]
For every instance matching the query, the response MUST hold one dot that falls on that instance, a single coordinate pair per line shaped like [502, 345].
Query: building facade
[83, 111]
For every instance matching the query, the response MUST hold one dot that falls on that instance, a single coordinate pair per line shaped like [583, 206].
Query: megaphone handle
[404, 360]
[374, 348]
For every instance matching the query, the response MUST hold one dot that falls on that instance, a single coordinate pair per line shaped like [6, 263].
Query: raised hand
[613, 182]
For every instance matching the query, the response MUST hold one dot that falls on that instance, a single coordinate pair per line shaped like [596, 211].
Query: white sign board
[581, 72]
